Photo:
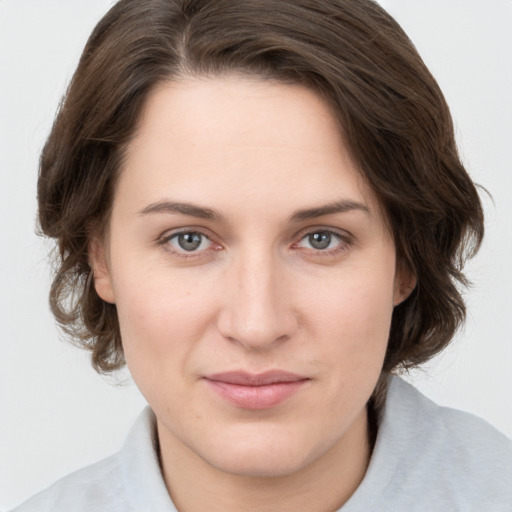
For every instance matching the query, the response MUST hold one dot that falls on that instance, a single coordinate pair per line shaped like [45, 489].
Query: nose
[257, 308]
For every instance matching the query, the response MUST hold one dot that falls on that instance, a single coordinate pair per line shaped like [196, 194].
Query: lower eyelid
[344, 242]
[213, 247]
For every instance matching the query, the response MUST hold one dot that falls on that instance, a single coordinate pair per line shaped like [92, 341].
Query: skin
[255, 295]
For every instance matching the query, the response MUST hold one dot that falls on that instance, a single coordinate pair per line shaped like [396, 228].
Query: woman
[260, 209]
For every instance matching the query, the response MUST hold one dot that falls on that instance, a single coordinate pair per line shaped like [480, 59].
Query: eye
[321, 241]
[189, 241]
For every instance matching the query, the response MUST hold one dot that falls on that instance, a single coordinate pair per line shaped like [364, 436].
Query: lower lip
[256, 397]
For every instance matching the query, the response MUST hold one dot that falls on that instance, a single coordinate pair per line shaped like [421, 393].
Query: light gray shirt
[426, 458]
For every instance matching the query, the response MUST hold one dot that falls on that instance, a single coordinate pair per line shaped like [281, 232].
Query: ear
[101, 271]
[405, 282]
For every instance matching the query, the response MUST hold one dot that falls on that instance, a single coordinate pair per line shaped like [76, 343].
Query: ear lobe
[100, 271]
[405, 283]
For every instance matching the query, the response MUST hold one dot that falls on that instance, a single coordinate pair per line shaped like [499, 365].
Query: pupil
[189, 241]
[320, 240]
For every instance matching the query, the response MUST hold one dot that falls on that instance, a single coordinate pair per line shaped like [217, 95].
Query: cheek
[354, 315]
[352, 332]
[161, 319]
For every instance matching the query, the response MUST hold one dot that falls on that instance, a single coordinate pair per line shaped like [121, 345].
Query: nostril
[256, 335]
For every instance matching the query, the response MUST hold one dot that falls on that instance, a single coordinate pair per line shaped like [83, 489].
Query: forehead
[235, 110]
[260, 140]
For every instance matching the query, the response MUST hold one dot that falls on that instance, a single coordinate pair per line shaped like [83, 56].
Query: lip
[256, 391]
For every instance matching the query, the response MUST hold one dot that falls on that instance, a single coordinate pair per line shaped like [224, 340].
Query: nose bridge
[258, 311]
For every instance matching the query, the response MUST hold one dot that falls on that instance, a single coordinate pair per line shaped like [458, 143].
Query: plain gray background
[56, 413]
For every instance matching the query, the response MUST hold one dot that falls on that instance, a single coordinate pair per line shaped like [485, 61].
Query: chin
[260, 456]
[260, 465]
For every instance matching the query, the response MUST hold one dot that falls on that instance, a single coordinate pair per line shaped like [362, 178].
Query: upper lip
[243, 378]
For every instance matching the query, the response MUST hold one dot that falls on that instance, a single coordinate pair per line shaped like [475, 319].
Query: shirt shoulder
[127, 481]
[96, 487]
[429, 457]
[466, 461]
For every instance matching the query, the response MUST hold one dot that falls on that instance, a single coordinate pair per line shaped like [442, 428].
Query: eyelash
[166, 239]
[344, 242]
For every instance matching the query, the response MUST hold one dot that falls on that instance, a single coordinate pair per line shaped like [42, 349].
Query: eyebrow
[345, 205]
[184, 208]
[201, 212]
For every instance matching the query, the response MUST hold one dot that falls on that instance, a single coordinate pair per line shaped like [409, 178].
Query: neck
[324, 484]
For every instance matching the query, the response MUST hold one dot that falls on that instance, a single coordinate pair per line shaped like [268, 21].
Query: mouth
[256, 391]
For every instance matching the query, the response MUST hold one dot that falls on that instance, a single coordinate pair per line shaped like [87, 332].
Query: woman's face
[253, 275]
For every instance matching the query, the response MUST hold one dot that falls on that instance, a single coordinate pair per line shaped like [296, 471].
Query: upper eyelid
[345, 240]
[164, 242]
[171, 233]
[342, 233]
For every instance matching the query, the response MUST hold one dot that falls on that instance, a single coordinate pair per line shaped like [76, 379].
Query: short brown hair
[391, 110]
